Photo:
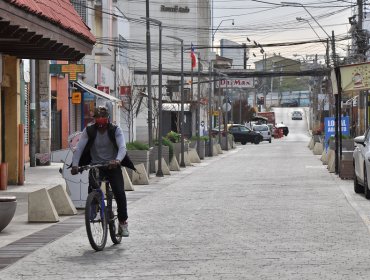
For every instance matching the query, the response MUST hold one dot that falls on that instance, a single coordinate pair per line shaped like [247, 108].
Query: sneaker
[123, 229]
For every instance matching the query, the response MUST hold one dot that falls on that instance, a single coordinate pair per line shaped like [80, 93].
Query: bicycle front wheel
[113, 221]
[96, 221]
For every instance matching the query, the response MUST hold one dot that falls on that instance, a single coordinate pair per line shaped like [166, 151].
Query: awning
[43, 29]
[175, 107]
[96, 92]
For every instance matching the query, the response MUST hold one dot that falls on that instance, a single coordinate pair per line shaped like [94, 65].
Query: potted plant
[202, 144]
[175, 138]
[139, 153]
[347, 143]
[167, 153]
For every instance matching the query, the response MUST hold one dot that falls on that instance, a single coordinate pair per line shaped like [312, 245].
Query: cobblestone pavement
[267, 211]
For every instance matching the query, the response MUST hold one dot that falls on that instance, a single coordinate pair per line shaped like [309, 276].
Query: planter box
[154, 156]
[202, 146]
[140, 156]
[177, 150]
[346, 169]
[347, 144]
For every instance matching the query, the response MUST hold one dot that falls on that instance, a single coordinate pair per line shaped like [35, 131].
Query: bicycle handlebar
[91, 166]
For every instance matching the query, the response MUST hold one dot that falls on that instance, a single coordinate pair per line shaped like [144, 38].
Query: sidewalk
[35, 178]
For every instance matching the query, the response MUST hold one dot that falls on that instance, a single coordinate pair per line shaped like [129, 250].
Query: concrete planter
[154, 156]
[347, 144]
[140, 156]
[201, 150]
[8, 204]
[177, 150]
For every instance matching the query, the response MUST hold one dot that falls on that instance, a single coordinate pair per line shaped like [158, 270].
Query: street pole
[149, 77]
[198, 108]
[159, 23]
[159, 171]
[33, 113]
[219, 108]
[226, 118]
[182, 161]
[210, 147]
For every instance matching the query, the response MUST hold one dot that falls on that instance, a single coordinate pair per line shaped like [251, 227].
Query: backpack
[91, 133]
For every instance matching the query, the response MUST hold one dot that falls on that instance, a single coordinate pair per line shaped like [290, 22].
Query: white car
[297, 115]
[361, 161]
[264, 130]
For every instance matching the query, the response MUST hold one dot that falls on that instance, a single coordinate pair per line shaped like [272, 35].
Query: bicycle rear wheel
[113, 220]
[96, 221]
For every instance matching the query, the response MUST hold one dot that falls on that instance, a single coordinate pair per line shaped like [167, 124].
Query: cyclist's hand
[113, 163]
[74, 170]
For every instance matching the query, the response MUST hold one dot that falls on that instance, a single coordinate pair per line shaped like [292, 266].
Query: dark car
[242, 134]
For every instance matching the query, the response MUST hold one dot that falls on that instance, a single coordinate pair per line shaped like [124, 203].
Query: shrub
[173, 136]
[166, 142]
[137, 145]
[203, 138]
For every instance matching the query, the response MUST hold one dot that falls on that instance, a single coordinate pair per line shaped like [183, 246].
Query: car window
[243, 128]
[260, 128]
[234, 129]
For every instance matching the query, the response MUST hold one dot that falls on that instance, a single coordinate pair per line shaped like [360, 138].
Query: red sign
[125, 90]
[104, 89]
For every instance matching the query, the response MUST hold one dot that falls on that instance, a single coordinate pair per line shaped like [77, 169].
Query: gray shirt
[102, 150]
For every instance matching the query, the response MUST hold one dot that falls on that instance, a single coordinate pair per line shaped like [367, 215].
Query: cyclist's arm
[121, 143]
[80, 147]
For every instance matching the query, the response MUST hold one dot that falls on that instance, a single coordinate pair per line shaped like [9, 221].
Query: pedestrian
[102, 142]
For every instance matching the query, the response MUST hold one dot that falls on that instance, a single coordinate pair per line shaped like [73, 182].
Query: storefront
[42, 31]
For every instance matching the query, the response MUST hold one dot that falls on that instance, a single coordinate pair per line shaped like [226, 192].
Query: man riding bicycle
[101, 142]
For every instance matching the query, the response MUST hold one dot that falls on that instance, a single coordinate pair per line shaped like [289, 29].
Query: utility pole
[33, 114]
[149, 77]
[245, 56]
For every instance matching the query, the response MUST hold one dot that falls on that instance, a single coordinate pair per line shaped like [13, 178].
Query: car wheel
[256, 140]
[243, 142]
[366, 187]
[356, 186]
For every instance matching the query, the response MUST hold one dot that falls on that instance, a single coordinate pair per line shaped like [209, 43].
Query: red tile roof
[59, 12]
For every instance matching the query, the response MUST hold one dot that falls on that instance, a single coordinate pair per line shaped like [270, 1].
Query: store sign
[76, 97]
[175, 9]
[355, 77]
[329, 126]
[236, 83]
[104, 89]
[124, 90]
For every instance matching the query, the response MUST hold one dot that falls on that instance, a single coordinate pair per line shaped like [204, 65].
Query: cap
[101, 112]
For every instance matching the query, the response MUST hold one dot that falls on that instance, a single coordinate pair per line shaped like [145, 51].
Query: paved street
[267, 211]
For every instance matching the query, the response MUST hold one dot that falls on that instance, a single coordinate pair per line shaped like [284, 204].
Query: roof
[98, 93]
[59, 12]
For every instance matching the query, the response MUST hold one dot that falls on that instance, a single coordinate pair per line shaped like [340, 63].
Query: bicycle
[100, 215]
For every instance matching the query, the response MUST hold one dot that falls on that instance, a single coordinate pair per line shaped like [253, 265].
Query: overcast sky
[271, 22]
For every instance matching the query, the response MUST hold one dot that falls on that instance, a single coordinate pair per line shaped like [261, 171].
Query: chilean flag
[193, 57]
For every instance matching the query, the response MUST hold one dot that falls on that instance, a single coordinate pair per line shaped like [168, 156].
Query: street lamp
[301, 5]
[182, 162]
[214, 32]
[159, 23]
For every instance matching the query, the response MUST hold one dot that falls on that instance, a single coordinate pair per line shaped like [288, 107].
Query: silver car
[264, 130]
[361, 162]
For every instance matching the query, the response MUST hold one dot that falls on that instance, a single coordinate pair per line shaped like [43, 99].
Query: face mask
[101, 122]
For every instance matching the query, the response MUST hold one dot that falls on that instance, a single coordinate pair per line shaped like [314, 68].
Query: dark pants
[115, 179]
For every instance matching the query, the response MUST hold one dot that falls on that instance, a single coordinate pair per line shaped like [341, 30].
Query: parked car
[297, 115]
[241, 134]
[284, 127]
[289, 103]
[361, 162]
[264, 130]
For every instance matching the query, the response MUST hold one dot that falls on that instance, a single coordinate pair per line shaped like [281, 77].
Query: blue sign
[330, 128]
